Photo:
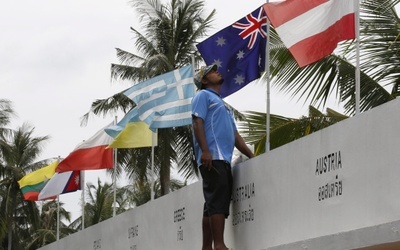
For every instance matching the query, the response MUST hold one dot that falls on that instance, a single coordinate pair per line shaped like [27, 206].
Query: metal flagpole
[357, 73]
[83, 198]
[194, 73]
[58, 217]
[115, 176]
[267, 120]
[58, 210]
[154, 138]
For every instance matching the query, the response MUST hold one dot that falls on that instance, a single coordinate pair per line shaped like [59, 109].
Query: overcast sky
[55, 61]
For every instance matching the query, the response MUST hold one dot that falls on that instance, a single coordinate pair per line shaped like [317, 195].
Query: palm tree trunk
[165, 179]
[9, 234]
[11, 217]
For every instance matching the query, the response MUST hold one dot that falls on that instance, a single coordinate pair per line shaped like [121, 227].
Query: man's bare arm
[241, 145]
[199, 133]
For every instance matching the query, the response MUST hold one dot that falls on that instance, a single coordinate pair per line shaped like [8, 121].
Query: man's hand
[206, 160]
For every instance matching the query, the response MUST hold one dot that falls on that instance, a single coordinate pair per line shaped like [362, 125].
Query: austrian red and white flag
[311, 29]
[90, 154]
[61, 183]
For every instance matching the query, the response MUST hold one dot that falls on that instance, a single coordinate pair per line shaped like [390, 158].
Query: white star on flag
[220, 41]
[239, 79]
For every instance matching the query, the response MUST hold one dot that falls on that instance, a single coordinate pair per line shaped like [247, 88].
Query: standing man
[215, 136]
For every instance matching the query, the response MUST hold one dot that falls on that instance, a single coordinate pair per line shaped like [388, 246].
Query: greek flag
[164, 101]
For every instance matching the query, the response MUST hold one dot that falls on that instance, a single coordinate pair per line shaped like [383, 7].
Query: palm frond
[111, 104]
[334, 76]
[283, 129]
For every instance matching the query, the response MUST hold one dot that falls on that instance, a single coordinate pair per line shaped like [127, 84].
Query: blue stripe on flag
[160, 97]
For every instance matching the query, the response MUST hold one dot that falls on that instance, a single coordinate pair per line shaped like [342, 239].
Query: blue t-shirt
[219, 125]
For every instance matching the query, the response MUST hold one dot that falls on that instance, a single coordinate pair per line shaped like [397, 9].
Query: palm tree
[171, 31]
[335, 74]
[139, 192]
[47, 231]
[380, 63]
[19, 150]
[6, 112]
[99, 206]
[282, 129]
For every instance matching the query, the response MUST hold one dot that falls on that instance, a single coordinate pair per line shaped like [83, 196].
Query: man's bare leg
[218, 227]
[207, 234]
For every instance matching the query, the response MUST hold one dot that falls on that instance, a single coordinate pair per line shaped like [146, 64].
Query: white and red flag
[61, 183]
[90, 154]
[311, 29]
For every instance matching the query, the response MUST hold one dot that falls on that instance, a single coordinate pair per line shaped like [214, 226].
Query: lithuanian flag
[32, 183]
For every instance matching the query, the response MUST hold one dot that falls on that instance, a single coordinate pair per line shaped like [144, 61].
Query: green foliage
[19, 150]
[46, 231]
[165, 41]
[335, 74]
[282, 129]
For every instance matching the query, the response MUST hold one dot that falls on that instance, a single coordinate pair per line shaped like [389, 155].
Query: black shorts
[217, 188]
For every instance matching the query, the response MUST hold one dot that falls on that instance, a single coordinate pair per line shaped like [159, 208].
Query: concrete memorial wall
[338, 188]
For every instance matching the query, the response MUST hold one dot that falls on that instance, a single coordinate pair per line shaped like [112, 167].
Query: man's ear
[204, 80]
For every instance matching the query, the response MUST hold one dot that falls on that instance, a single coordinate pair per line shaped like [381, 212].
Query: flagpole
[115, 182]
[267, 66]
[115, 175]
[58, 217]
[83, 198]
[58, 211]
[152, 164]
[357, 73]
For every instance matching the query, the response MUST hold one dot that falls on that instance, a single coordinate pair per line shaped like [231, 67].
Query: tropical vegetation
[19, 150]
[334, 76]
[171, 31]
[46, 230]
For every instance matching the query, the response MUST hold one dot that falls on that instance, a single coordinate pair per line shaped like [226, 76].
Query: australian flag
[238, 50]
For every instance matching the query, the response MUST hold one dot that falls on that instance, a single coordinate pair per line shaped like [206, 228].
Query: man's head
[208, 75]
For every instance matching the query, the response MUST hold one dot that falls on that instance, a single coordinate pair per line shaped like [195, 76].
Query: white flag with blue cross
[164, 101]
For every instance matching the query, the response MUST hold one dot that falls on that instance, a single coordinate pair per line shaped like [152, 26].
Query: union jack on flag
[238, 50]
